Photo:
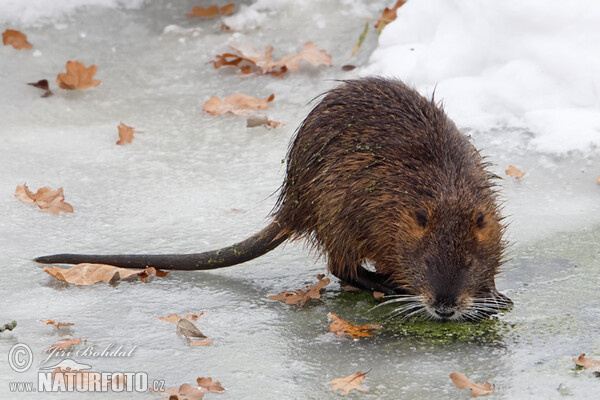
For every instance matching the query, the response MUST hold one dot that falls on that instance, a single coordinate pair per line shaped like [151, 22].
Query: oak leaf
[42, 84]
[48, 200]
[238, 103]
[262, 61]
[587, 363]
[348, 383]
[301, 296]
[176, 318]
[126, 134]
[56, 324]
[477, 389]
[341, 327]
[87, 274]
[77, 76]
[208, 384]
[16, 39]
[212, 11]
[185, 391]
[388, 15]
[309, 53]
[514, 172]
[63, 344]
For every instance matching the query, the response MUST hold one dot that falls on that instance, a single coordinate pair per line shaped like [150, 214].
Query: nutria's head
[451, 251]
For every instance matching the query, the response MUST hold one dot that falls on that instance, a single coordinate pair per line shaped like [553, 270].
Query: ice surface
[193, 182]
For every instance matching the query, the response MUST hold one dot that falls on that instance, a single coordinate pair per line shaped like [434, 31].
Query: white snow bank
[21, 13]
[510, 63]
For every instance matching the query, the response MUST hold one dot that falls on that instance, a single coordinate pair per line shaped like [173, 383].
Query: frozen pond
[193, 182]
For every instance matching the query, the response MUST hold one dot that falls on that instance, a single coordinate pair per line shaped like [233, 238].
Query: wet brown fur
[369, 158]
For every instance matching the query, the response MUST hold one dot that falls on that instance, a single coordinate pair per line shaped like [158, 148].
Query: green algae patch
[359, 306]
[437, 332]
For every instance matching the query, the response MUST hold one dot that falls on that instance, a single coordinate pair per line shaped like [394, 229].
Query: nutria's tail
[257, 245]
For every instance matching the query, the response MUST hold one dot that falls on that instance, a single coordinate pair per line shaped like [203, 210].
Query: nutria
[377, 173]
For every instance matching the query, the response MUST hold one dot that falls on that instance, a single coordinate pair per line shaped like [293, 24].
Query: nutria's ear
[421, 217]
[480, 220]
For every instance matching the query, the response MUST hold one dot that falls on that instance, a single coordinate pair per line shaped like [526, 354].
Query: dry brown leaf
[151, 271]
[42, 84]
[201, 342]
[256, 119]
[477, 389]
[348, 383]
[514, 172]
[208, 384]
[189, 330]
[239, 104]
[185, 391]
[48, 200]
[77, 76]
[587, 363]
[87, 274]
[126, 134]
[176, 318]
[212, 11]
[309, 53]
[341, 327]
[63, 344]
[56, 324]
[388, 15]
[301, 296]
[16, 39]
[262, 61]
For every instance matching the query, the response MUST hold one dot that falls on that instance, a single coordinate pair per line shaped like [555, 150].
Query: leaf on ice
[48, 200]
[477, 389]
[348, 383]
[210, 385]
[514, 172]
[126, 134]
[239, 104]
[42, 84]
[77, 76]
[388, 15]
[63, 344]
[88, 274]
[249, 60]
[256, 119]
[587, 363]
[301, 296]
[175, 318]
[341, 327]
[16, 39]
[185, 392]
[212, 11]
[56, 324]
[192, 333]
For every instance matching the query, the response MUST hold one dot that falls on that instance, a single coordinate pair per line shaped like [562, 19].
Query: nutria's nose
[444, 314]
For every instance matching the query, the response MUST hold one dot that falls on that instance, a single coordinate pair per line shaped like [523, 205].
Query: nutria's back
[379, 173]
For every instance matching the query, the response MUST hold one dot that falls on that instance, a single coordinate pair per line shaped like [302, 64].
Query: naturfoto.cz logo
[69, 375]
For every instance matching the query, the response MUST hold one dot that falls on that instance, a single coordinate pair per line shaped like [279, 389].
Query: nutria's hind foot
[372, 281]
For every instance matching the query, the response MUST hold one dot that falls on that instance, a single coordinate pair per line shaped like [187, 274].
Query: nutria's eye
[422, 218]
[480, 220]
